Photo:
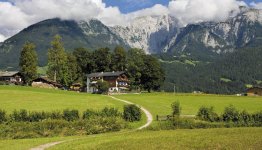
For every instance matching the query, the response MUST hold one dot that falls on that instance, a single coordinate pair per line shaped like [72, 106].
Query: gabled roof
[255, 87]
[49, 81]
[8, 73]
[105, 74]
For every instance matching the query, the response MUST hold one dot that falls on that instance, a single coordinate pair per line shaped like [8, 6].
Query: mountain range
[163, 36]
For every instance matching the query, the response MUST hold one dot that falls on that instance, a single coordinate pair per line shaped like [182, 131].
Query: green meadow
[235, 138]
[160, 103]
[33, 99]
[238, 138]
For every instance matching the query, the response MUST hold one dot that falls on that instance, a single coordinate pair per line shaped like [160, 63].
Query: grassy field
[244, 138]
[236, 138]
[12, 97]
[160, 103]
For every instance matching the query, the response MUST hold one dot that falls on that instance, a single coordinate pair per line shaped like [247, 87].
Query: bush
[56, 115]
[132, 113]
[245, 118]
[207, 114]
[110, 112]
[89, 114]
[230, 114]
[257, 117]
[102, 86]
[19, 116]
[3, 117]
[70, 115]
[50, 128]
[176, 108]
[37, 116]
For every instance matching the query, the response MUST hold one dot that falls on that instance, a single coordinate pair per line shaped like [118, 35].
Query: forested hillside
[230, 74]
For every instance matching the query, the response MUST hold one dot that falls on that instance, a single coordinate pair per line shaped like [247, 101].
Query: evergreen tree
[57, 62]
[28, 62]
[72, 68]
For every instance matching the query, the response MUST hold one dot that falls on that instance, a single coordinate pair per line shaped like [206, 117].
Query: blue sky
[21, 13]
[127, 6]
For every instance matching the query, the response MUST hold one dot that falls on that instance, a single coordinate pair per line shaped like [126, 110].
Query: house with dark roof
[11, 77]
[254, 91]
[118, 81]
[44, 82]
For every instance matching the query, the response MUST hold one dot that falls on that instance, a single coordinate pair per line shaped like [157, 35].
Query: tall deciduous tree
[102, 60]
[152, 75]
[28, 62]
[134, 67]
[57, 61]
[119, 59]
[84, 60]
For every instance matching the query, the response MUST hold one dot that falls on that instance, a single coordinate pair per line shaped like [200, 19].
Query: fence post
[156, 117]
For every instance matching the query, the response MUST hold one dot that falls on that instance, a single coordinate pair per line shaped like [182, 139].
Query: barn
[44, 82]
[254, 91]
[11, 77]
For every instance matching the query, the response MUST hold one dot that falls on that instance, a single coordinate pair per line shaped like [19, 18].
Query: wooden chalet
[254, 91]
[118, 81]
[11, 77]
[44, 82]
[76, 87]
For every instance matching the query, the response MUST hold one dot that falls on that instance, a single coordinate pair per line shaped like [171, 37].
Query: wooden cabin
[44, 82]
[76, 87]
[118, 81]
[254, 91]
[11, 77]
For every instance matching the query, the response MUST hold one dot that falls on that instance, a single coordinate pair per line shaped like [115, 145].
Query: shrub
[3, 117]
[89, 113]
[207, 114]
[102, 86]
[231, 114]
[176, 108]
[56, 115]
[245, 118]
[132, 113]
[70, 115]
[257, 117]
[110, 112]
[37, 116]
[50, 128]
[19, 116]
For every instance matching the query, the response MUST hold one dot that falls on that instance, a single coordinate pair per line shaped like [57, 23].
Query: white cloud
[155, 10]
[2, 37]
[256, 5]
[18, 14]
[192, 11]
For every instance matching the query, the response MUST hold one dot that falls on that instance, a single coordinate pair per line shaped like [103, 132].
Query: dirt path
[48, 145]
[147, 113]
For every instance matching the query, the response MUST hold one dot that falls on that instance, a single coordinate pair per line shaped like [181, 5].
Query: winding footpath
[147, 113]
